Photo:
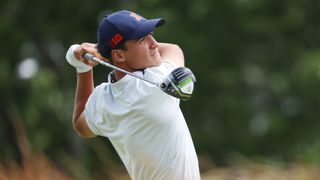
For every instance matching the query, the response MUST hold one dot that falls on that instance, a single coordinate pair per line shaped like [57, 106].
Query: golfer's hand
[88, 48]
[75, 58]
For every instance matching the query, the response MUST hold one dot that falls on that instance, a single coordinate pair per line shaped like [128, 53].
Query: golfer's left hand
[88, 48]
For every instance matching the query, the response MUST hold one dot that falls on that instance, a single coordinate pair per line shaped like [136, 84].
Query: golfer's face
[143, 53]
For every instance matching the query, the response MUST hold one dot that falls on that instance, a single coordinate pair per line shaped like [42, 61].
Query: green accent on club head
[185, 82]
[180, 94]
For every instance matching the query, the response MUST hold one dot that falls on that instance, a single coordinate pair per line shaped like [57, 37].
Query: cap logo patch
[136, 16]
[115, 40]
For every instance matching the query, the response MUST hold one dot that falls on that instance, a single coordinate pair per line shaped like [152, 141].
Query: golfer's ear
[117, 55]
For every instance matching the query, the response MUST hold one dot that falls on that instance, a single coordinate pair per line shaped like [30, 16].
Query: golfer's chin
[156, 59]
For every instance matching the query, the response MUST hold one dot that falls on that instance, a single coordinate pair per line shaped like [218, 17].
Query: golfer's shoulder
[99, 89]
[101, 86]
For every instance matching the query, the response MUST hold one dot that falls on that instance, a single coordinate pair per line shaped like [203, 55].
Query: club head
[179, 83]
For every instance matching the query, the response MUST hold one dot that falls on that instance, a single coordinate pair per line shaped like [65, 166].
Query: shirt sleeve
[160, 72]
[92, 113]
[167, 67]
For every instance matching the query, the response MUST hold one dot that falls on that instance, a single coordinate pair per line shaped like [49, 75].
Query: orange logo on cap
[115, 41]
[136, 16]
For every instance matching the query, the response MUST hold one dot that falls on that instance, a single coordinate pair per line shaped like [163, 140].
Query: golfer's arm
[172, 53]
[85, 87]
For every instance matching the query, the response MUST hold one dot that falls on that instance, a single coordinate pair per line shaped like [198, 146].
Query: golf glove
[79, 65]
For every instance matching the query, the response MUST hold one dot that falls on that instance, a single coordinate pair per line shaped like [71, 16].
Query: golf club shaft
[91, 57]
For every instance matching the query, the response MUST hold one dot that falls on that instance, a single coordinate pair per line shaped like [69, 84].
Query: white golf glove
[79, 65]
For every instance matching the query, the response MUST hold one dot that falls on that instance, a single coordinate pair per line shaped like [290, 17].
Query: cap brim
[147, 27]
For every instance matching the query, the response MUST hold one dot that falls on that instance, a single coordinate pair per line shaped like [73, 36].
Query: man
[144, 124]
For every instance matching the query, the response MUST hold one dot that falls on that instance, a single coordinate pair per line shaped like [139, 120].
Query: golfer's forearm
[171, 52]
[85, 87]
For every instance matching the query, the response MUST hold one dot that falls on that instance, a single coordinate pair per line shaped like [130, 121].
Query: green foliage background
[257, 65]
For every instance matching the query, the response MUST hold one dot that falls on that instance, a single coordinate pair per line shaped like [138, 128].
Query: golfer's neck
[118, 75]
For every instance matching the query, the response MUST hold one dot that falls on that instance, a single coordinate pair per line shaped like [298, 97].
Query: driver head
[179, 83]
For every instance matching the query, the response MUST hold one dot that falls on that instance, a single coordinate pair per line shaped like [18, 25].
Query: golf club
[179, 83]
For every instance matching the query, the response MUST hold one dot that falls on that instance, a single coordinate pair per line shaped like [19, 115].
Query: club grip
[88, 56]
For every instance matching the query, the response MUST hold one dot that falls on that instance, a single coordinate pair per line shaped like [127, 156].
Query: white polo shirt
[145, 126]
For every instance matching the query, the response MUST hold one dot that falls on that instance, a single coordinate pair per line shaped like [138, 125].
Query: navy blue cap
[117, 28]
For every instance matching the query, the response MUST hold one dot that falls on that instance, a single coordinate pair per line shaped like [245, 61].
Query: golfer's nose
[153, 42]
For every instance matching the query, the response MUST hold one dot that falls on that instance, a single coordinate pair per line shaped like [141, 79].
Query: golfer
[144, 124]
